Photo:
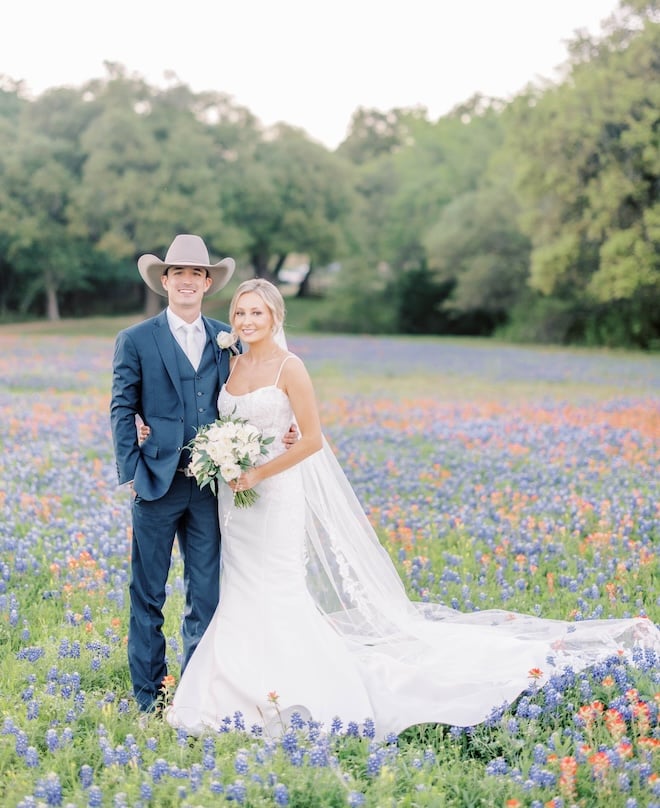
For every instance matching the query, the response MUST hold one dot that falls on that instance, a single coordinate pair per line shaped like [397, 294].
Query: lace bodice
[268, 408]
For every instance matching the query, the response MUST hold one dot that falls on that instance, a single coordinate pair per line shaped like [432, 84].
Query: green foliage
[477, 245]
[360, 302]
[588, 169]
[419, 297]
[453, 226]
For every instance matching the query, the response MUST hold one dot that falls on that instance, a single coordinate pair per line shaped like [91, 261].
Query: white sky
[310, 63]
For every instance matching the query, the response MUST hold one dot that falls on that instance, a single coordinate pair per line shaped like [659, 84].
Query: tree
[139, 186]
[476, 246]
[39, 170]
[588, 174]
[288, 195]
[374, 133]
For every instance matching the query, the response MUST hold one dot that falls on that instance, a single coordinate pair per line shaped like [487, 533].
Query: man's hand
[291, 437]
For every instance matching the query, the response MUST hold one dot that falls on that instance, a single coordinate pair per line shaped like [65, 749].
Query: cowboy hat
[185, 251]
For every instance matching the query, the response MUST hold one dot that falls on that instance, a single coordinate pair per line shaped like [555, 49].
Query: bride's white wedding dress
[314, 618]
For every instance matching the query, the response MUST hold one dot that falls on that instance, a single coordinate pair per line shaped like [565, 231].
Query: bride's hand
[143, 433]
[246, 481]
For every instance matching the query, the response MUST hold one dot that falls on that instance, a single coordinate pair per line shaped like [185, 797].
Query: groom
[167, 372]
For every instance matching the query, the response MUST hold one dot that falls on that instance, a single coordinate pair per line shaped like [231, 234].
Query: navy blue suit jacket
[146, 382]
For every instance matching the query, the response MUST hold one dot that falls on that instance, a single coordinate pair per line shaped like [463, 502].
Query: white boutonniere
[227, 341]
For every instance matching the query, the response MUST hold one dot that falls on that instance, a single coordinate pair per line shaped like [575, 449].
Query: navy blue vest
[200, 392]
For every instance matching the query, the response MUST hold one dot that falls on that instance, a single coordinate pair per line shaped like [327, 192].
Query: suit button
[200, 409]
[199, 393]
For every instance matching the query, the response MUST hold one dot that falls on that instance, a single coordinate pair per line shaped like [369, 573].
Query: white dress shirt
[179, 327]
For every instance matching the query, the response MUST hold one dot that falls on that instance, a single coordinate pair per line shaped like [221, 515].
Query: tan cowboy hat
[185, 251]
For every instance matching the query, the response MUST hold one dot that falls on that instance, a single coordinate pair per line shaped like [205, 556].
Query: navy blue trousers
[192, 515]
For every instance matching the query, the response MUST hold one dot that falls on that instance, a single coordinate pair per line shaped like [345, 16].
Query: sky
[309, 63]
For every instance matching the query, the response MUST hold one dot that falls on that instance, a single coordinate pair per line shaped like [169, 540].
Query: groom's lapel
[165, 344]
[221, 356]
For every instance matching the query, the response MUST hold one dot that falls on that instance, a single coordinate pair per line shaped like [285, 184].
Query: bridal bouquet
[224, 449]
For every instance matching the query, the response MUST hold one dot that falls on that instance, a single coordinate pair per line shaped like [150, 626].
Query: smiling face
[185, 288]
[252, 319]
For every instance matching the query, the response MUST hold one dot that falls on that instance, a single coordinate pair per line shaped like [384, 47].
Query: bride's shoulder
[292, 366]
[296, 363]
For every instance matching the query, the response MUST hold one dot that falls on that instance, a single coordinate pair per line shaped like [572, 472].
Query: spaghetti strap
[232, 367]
[279, 372]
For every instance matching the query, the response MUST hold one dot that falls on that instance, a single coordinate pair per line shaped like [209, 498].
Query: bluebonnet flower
[241, 762]
[21, 743]
[497, 766]
[31, 757]
[336, 726]
[281, 794]
[9, 727]
[297, 757]
[375, 762]
[51, 788]
[296, 721]
[31, 654]
[289, 742]
[52, 741]
[540, 753]
[236, 791]
[196, 776]
[318, 755]
[86, 775]
[109, 755]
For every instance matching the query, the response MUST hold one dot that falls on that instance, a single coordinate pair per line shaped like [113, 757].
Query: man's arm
[125, 405]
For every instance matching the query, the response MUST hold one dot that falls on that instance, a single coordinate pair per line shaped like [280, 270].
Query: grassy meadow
[497, 476]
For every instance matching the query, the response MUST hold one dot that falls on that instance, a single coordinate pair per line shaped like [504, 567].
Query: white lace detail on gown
[312, 608]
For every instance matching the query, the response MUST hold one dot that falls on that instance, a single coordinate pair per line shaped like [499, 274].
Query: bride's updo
[268, 292]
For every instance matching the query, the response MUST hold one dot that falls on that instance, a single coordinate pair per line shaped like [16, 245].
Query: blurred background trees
[535, 218]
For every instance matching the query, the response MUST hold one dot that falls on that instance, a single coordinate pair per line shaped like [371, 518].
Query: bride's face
[253, 320]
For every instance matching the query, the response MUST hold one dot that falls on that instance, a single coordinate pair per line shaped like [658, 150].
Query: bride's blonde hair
[268, 292]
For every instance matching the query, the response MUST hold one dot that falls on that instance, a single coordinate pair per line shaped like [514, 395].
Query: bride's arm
[297, 384]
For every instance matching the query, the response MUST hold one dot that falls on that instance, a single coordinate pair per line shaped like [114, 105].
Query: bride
[313, 617]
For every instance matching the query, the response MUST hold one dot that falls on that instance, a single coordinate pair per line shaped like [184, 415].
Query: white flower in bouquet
[223, 450]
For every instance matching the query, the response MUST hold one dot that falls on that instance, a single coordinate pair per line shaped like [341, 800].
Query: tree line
[533, 219]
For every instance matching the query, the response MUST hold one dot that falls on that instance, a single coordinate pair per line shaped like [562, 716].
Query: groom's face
[185, 286]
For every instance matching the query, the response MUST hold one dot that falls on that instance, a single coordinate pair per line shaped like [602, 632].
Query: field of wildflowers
[496, 476]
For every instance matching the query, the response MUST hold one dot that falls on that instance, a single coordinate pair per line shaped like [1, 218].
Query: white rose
[218, 453]
[226, 339]
[230, 471]
[215, 434]
[254, 452]
[246, 433]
